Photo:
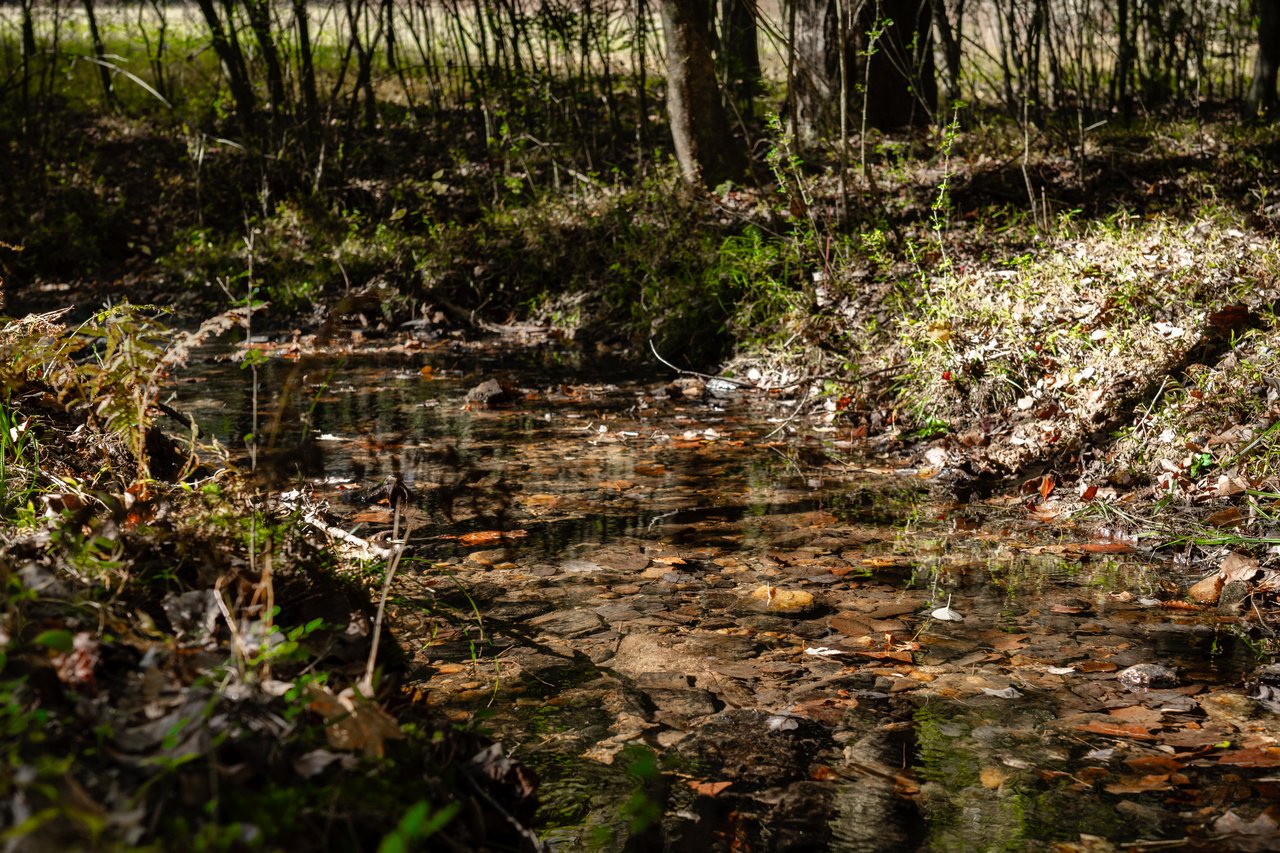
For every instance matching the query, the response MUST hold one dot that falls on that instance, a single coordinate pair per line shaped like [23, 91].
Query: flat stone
[568, 623]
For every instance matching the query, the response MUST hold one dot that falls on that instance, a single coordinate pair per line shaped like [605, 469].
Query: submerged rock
[488, 393]
[773, 599]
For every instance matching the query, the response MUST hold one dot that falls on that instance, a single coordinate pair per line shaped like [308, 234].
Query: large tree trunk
[707, 152]
[1262, 92]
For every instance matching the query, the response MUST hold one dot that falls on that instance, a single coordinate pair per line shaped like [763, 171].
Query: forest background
[1029, 245]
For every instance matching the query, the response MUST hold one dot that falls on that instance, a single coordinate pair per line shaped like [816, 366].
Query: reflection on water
[706, 632]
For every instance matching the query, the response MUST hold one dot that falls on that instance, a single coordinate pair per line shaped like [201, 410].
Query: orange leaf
[1269, 757]
[482, 537]
[1140, 784]
[1046, 486]
[1131, 730]
[1107, 548]
[1097, 666]
[372, 516]
[707, 789]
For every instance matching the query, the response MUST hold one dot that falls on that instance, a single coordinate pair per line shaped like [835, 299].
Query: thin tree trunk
[99, 51]
[1262, 92]
[260, 22]
[310, 100]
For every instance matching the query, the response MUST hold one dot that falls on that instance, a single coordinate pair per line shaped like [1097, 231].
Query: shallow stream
[708, 625]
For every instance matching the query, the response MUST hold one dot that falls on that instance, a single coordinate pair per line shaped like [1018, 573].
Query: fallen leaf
[1097, 666]
[373, 516]
[1257, 757]
[1140, 784]
[706, 789]
[1131, 730]
[1257, 834]
[1238, 567]
[353, 722]
[1154, 764]
[313, 763]
[1107, 548]
[992, 777]
[1229, 517]
[1046, 486]
[1207, 589]
[482, 537]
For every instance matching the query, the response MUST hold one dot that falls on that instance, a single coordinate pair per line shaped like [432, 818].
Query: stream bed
[706, 623]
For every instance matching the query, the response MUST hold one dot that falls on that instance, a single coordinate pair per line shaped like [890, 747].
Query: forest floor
[1098, 353]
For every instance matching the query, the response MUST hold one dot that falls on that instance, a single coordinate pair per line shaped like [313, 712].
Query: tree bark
[815, 79]
[1262, 92]
[707, 152]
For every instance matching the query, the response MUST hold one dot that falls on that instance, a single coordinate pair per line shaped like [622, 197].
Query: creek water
[707, 624]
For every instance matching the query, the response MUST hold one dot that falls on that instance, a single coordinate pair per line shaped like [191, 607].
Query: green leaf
[56, 639]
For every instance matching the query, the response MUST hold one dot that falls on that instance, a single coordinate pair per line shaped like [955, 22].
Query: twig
[737, 382]
[792, 416]
[398, 500]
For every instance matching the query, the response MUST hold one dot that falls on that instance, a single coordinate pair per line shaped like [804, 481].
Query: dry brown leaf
[1238, 567]
[372, 516]
[1154, 764]
[1206, 590]
[1229, 517]
[1140, 784]
[1130, 730]
[353, 722]
[1137, 714]
[1231, 484]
